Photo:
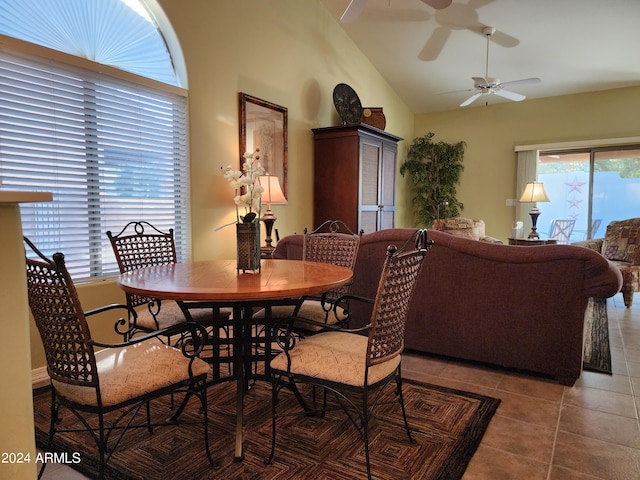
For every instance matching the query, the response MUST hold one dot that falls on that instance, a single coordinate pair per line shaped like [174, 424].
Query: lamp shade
[272, 191]
[534, 192]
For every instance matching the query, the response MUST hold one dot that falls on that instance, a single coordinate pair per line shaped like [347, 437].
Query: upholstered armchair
[620, 246]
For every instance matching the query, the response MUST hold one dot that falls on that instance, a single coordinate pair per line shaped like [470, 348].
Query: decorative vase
[248, 246]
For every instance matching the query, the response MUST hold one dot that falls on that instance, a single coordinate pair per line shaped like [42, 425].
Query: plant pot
[248, 246]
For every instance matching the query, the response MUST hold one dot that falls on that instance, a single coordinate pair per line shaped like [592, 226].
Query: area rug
[447, 424]
[597, 352]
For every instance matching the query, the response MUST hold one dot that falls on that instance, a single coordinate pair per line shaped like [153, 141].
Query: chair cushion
[171, 314]
[334, 356]
[310, 310]
[621, 243]
[132, 371]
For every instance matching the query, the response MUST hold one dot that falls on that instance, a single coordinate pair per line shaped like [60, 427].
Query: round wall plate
[347, 104]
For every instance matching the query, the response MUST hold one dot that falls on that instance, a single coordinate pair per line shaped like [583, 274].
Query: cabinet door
[377, 208]
[387, 182]
[370, 161]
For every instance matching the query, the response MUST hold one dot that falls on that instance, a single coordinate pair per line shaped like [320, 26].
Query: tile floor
[544, 431]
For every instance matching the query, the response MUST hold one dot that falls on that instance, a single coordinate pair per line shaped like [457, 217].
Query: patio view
[592, 187]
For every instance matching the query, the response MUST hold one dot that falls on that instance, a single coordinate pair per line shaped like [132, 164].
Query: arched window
[119, 33]
[92, 111]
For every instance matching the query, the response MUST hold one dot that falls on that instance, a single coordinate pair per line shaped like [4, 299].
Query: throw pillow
[460, 226]
[621, 243]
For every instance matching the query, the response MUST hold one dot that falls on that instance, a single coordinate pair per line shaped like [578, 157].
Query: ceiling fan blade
[471, 99]
[435, 44]
[516, 97]
[438, 4]
[353, 11]
[524, 81]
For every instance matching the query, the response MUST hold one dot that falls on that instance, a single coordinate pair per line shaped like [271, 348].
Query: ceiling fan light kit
[490, 85]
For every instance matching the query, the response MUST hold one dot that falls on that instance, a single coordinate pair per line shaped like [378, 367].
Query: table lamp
[272, 194]
[533, 193]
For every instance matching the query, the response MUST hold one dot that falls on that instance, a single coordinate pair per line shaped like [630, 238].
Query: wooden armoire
[354, 177]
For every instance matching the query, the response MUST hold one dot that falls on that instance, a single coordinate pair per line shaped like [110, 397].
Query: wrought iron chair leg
[204, 404]
[54, 416]
[404, 412]
[102, 447]
[174, 417]
[365, 431]
[274, 400]
[149, 426]
[44, 464]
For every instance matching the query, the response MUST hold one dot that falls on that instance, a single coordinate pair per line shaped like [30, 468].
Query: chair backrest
[395, 289]
[60, 320]
[140, 244]
[561, 230]
[328, 244]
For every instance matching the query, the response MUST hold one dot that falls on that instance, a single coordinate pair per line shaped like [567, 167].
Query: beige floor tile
[601, 400]
[520, 438]
[600, 426]
[615, 383]
[634, 369]
[494, 464]
[597, 458]
[528, 409]
[473, 375]
[560, 473]
[632, 353]
[414, 362]
[533, 387]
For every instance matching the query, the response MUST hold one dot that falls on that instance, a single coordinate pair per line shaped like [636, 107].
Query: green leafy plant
[434, 169]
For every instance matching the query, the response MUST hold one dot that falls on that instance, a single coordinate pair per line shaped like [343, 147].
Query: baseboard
[39, 378]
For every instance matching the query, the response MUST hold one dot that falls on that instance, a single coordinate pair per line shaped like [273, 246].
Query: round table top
[219, 280]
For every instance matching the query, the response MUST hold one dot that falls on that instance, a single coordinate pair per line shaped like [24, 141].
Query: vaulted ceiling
[573, 46]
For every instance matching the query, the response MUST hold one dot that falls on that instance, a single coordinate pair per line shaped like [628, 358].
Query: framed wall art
[263, 125]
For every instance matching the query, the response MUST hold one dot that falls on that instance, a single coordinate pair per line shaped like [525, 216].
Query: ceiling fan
[488, 85]
[355, 8]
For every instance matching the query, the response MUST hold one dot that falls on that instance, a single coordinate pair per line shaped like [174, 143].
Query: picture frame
[263, 125]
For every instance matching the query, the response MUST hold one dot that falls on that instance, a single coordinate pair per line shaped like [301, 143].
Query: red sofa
[517, 307]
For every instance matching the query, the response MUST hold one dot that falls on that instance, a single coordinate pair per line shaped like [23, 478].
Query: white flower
[246, 183]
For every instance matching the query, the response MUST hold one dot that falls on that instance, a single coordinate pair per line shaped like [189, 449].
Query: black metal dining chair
[332, 242]
[345, 362]
[139, 244]
[92, 378]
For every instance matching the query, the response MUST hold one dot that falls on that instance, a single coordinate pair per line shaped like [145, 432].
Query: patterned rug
[447, 424]
[597, 352]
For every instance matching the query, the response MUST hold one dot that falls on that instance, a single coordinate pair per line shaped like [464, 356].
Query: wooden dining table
[217, 284]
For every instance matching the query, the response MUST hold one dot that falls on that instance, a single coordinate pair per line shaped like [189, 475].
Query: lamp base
[534, 219]
[269, 219]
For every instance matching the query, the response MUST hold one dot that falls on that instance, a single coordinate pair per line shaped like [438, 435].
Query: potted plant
[434, 169]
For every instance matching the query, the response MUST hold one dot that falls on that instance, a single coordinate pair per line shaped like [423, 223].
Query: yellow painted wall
[288, 52]
[492, 132]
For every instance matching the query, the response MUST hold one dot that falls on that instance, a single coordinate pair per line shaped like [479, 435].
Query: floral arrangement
[247, 186]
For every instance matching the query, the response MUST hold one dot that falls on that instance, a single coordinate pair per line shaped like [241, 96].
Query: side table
[531, 241]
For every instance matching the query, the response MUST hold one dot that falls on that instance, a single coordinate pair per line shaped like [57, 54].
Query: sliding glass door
[592, 187]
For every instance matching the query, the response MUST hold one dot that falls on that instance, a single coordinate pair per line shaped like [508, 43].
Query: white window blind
[110, 150]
